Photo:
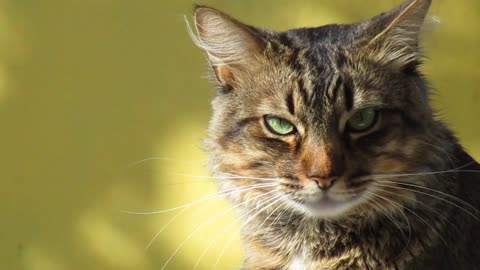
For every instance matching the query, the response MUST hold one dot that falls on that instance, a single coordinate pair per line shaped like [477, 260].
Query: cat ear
[394, 35]
[230, 45]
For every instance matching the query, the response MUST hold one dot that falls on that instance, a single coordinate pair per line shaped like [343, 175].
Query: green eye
[363, 120]
[279, 126]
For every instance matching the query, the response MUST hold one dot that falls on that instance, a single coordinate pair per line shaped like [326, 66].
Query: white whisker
[164, 227]
[227, 177]
[203, 199]
[210, 220]
[435, 197]
[275, 199]
[434, 229]
[424, 205]
[226, 228]
[188, 162]
[388, 175]
[399, 207]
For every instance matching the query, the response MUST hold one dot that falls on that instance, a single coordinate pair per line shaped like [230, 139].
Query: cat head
[309, 118]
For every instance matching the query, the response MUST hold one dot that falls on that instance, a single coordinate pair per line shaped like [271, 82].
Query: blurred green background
[90, 88]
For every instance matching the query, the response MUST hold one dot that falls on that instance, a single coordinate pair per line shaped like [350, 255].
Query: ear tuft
[396, 33]
[228, 43]
[405, 20]
[225, 39]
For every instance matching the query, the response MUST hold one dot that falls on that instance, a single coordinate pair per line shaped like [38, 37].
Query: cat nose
[323, 183]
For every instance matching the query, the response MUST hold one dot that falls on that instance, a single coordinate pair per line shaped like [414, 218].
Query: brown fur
[400, 195]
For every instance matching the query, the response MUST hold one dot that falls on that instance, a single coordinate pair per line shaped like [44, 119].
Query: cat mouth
[325, 205]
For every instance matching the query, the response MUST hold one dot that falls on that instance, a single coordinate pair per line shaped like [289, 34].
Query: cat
[327, 145]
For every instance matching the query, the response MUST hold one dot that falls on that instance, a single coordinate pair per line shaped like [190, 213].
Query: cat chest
[298, 263]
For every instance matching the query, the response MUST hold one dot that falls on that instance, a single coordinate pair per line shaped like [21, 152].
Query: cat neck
[358, 240]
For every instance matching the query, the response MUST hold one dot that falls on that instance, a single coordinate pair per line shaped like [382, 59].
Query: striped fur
[317, 79]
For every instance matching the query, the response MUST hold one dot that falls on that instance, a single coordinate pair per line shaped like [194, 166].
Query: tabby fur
[411, 191]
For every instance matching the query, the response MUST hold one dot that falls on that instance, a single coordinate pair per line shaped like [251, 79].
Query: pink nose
[324, 183]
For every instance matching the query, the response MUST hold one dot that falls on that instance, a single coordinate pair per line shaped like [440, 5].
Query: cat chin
[327, 207]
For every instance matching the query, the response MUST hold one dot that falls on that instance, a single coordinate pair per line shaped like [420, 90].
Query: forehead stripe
[290, 103]
[303, 91]
[348, 94]
[332, 92]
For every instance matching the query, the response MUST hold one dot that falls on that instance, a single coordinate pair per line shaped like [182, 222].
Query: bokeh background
[103, 105]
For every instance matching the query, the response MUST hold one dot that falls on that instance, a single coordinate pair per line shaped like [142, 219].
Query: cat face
[313, 116]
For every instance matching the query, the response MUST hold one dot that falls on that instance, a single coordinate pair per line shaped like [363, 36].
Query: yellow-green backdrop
[90, 88]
